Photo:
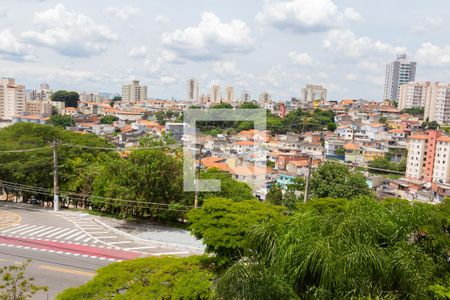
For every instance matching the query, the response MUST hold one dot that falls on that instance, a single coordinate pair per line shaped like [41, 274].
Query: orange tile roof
[397, 131]
[419, 137]
[351, 146]
[245, 143]
[248, 171]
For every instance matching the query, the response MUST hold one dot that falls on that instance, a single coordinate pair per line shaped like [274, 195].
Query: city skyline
[275, 46]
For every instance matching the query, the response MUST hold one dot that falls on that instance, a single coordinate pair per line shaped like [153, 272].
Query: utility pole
[55, 177]
[306, 196]
[197, 176]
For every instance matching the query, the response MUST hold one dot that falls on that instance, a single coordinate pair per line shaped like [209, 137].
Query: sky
[254, 45]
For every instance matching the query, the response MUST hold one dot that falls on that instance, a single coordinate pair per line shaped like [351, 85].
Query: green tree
[108, 119]
[335, 180]
[149, 278]
[275, 195]
[340, 249]
[224, 224]
[249, 105]
[383, 120]
[331, 126]
[70, 99]
[415, 111]
[221, 106]
[15, 285]
[60, 120]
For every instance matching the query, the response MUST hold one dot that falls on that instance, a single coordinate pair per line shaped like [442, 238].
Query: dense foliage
[335, 249]
[223, 224]
[63, 121]
[108, 120]
[149, 278]
[336, 180]
[415, 111]
[385, 164]
[70, 99]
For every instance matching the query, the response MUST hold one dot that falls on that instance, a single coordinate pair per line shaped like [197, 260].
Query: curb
[133, 237]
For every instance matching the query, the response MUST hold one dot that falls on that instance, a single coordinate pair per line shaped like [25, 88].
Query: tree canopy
[63, 121]
[70, 99]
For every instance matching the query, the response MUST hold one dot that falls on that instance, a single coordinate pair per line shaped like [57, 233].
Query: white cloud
[123, 13]
[138, 52]
[351, 77]
[225, 68]
[210, 39]
[300, 59]
[161, 19]
[69, 33]
[305, 16]
[13, 49]
[428, 24]
[347, 44]
[166, 80]
[431, 54]
[352, 15]
[3, 12]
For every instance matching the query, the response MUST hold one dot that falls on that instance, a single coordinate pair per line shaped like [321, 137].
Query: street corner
[9, 219]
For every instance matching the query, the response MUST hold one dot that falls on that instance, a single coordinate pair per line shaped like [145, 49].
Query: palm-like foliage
[364, 248]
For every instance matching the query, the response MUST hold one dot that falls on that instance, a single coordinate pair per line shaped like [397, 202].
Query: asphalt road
[66, 248]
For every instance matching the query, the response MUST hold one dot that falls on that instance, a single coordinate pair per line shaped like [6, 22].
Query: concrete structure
[215, 94]
[437, 103]
[246, 97]
[313, 92]
[43, 94]
[39, 107]
[421, 155]
[229, 94]
[433, 97]
[398, 72]
[192, 90]
[413, 94]
[134, 92]
[265, 97]
[12, 99]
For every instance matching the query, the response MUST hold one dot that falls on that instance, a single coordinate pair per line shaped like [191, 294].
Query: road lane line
[122, 242]
[139, 248]
[106, 237]
[15, 228]
[74, 235]
[22, 229]
[80, 237]
[86, 240]
[31, 230]
[66, 233]
[69, 271]
[58, 232]
[39, 231]
[50, 231]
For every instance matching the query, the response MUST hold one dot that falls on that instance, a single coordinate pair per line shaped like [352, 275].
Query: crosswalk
[50, 232]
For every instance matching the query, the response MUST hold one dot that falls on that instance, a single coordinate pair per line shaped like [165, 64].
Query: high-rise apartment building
[433, 97]
[12, 99]
[134, 92]
[192, 90]
[437, 103]
[265, 97]
[429, 157]
[215, 94]
[229, 94]
[398, 72]
[39, 107]
[246, 97]
[313, 92]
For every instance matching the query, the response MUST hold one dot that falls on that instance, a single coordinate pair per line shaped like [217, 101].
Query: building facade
[192, 90]
[229, 95]
[12, 99]
[313, 92]
[398, 72]
[134, 92]
[215, 94]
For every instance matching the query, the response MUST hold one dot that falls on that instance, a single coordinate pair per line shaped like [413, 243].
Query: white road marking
[141, 248]
[86, 240]
[50, 231]
[22, 229]
[74, 235]
[122, 242]
[106, 237]
[66, 233]
[31, 230]
[41, 230]
[14, 228]
[58, 232]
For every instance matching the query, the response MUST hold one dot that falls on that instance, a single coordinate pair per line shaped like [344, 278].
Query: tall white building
[313, 92]
[192, 90]
[437, 104]
[12, 99]
[134, 92]
[433, 97]
[215, 94]
[246, 97]
[229, 94]
[398, 72]
[413, 94]
[265, 97]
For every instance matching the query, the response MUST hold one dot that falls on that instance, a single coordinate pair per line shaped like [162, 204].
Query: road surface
[66, 248]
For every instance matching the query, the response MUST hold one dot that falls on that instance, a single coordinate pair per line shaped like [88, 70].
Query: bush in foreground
[149, 278]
